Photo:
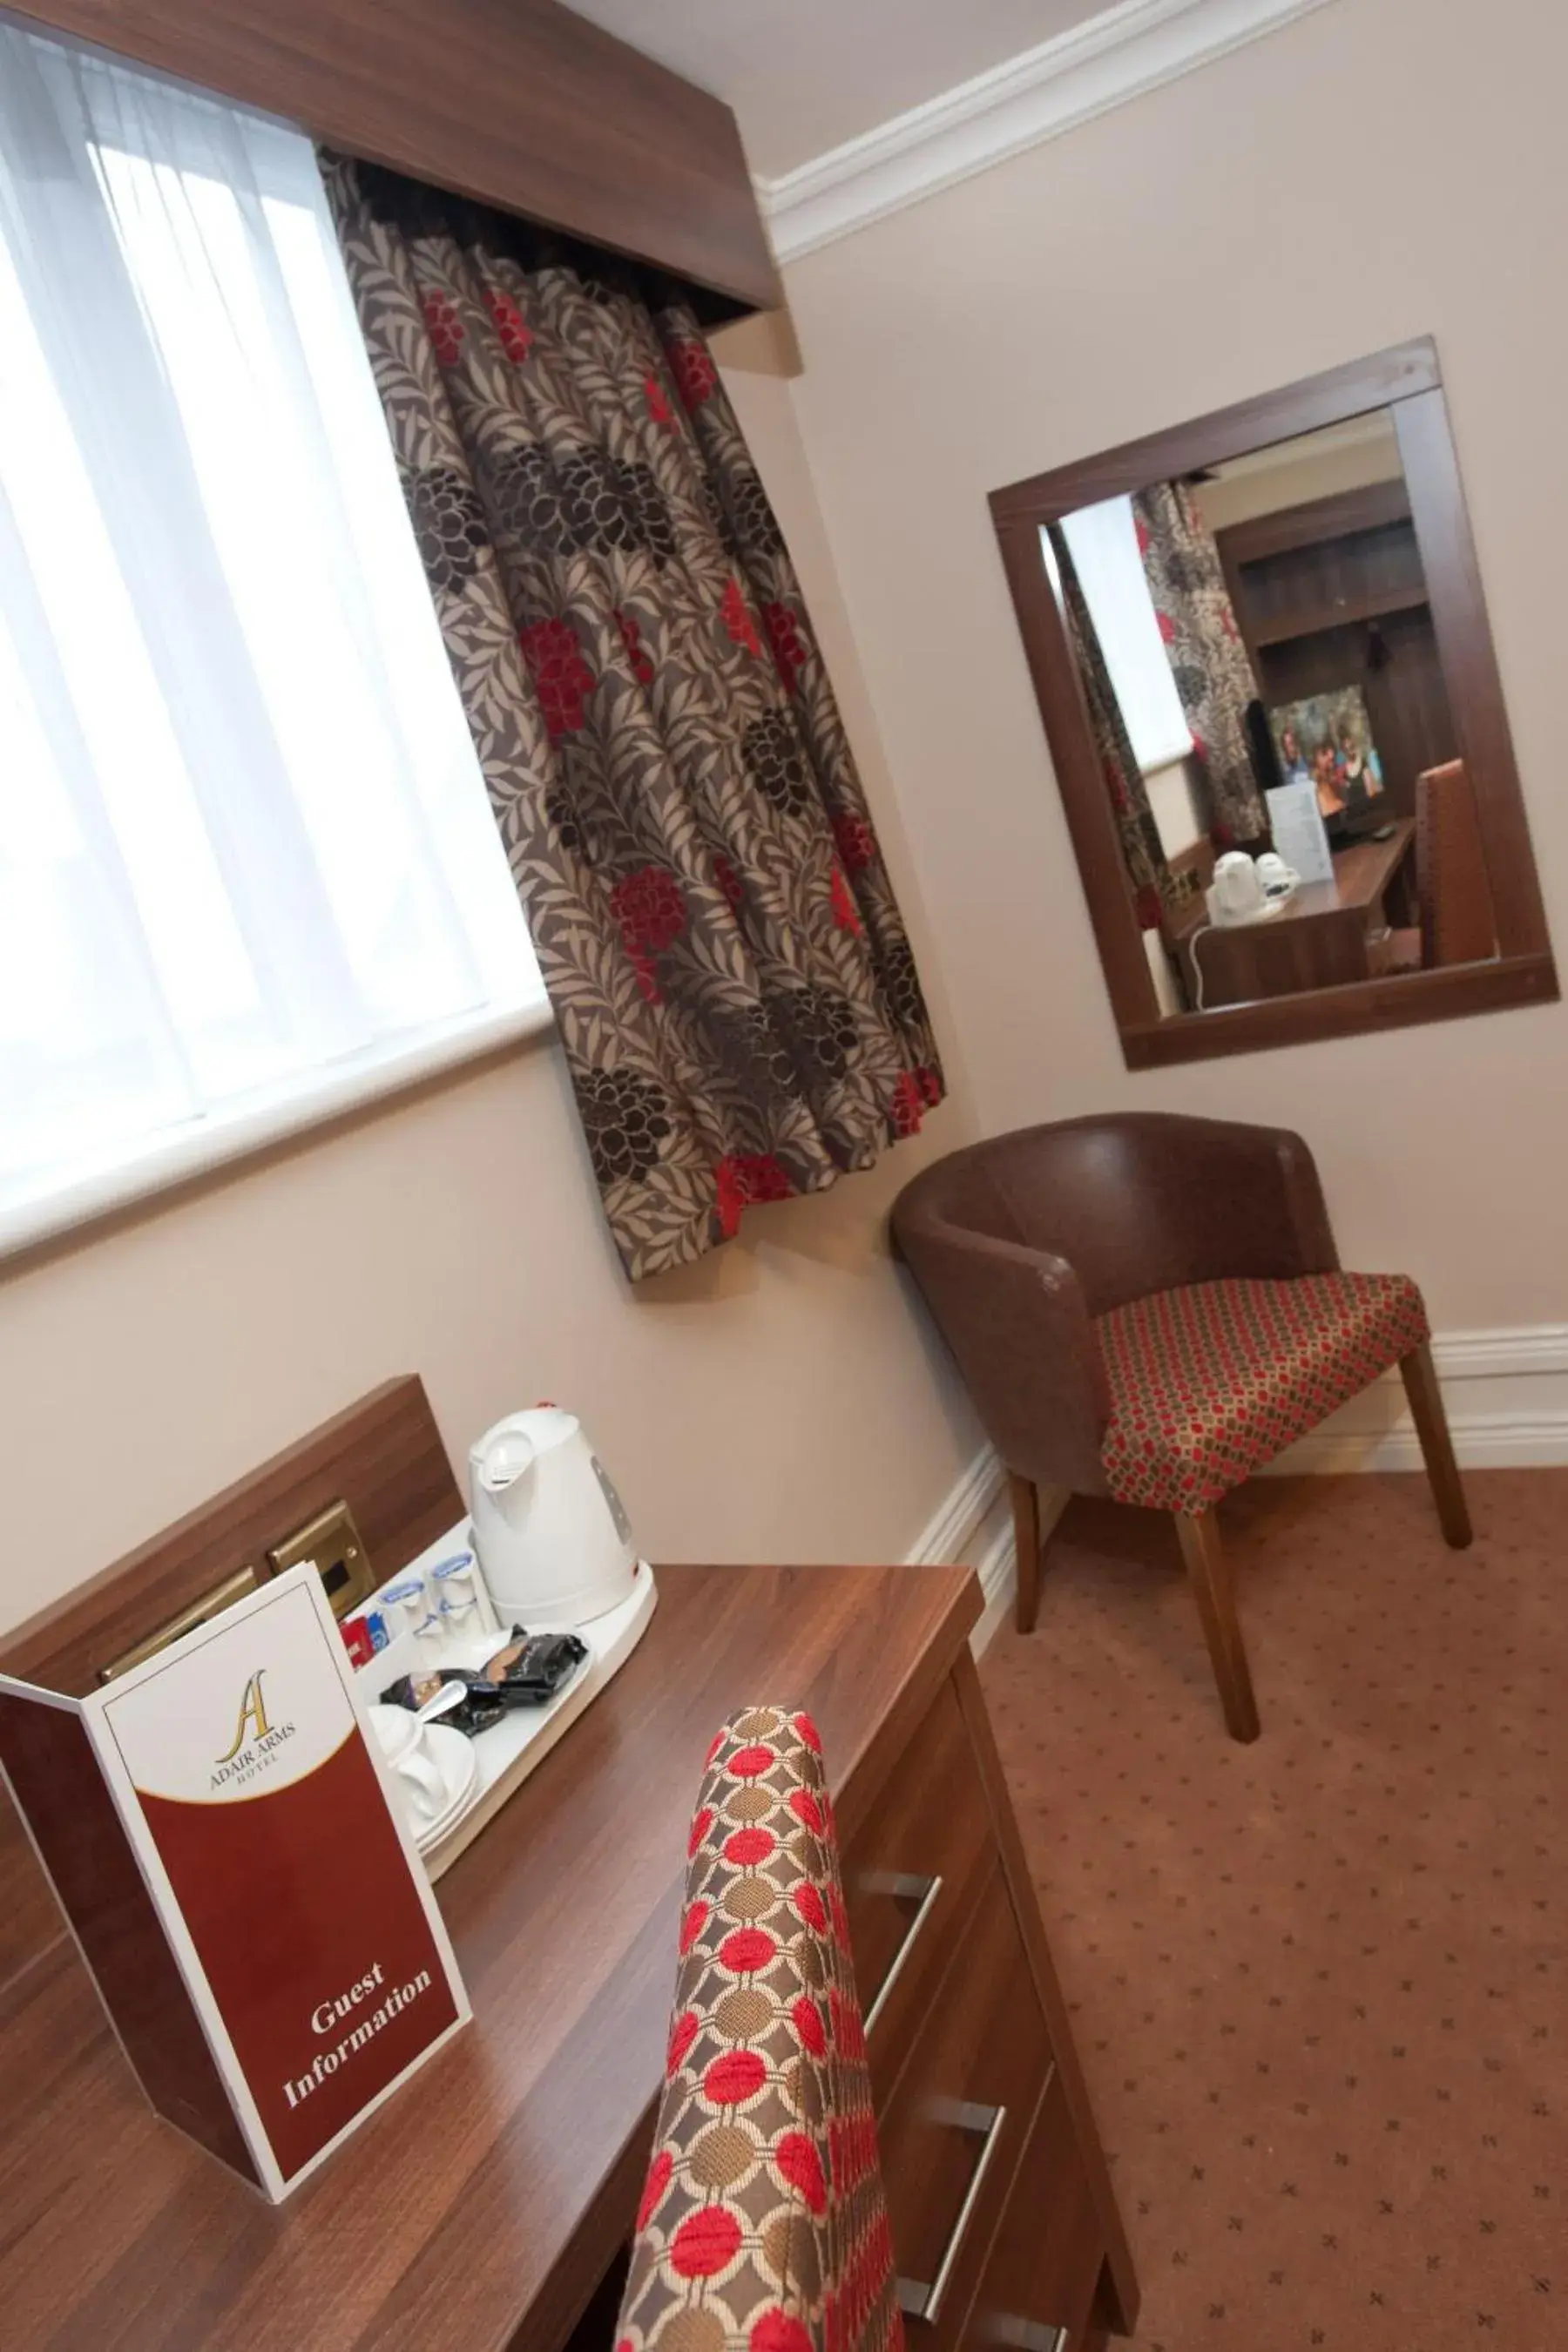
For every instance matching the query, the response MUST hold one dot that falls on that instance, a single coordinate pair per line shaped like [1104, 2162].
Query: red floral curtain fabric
[1153, 884]
[1208, 660]
[735, 992]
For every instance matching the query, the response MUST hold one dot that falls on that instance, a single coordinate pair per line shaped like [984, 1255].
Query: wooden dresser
[1324, 937]
[487, 2207]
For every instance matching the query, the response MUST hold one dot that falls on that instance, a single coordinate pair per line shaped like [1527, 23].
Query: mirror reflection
[1262, 682]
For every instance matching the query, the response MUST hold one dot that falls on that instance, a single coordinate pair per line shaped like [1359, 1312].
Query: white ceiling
[804, 75]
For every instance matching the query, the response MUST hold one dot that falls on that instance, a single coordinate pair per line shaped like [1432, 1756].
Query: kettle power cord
[1274, 906]
[1197, 967]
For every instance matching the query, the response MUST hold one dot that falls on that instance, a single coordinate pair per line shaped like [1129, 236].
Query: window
[1104, 544]
[247, 866]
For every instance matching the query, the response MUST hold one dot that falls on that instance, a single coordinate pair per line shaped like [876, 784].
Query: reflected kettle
[552, 1537]
[1236, 895]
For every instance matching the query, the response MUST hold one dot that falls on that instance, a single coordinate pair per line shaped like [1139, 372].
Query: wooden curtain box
[259, 1927]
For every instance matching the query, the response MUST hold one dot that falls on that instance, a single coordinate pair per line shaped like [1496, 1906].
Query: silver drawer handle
[1029, 2336]
[921, 2302]
[905, 1883]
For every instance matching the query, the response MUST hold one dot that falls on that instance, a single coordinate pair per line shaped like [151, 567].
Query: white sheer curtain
[1104, 543]
[243, 832]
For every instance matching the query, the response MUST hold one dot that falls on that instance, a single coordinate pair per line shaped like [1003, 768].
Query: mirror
[1263, 663]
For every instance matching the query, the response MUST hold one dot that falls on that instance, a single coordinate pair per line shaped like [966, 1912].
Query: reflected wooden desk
[1321, 939]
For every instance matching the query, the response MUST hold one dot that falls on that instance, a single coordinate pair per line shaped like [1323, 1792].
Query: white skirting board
[1507, 1395]
[975, 1526]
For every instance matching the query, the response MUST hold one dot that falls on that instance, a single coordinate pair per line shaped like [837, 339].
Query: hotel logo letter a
[252, 1712]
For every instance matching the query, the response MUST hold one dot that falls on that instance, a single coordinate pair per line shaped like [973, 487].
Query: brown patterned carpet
[1317, 1982]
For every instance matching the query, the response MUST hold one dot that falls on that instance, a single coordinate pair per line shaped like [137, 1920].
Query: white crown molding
[1116, 56]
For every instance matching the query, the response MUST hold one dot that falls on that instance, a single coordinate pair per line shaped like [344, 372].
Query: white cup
[1276, 877]
[462, 1597]
[401, 1741]
[402, 1605]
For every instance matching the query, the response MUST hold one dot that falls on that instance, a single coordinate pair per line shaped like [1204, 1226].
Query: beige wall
[775, 1402]
[1179, 253]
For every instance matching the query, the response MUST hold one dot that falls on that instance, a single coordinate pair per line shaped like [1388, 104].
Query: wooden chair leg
[1026, 1499]
[1419, 1374]
[1209, 1572]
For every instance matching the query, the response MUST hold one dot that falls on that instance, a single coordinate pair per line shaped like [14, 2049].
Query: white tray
[508, 1751]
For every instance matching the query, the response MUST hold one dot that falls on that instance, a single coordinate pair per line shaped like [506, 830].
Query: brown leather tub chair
[1151, 1308]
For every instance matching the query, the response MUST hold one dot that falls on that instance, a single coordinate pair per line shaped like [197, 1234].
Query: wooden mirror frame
[1408, 382]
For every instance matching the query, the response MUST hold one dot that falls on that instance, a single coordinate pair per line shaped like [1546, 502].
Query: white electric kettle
[549, 1528]
[1236, 895]
[1245, 890]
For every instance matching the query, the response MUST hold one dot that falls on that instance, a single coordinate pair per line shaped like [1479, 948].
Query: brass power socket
[333, 1542]
[210, 1605]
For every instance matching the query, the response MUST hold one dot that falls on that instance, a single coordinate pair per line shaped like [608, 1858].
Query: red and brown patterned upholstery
[1209, 1383]
[762, 2226]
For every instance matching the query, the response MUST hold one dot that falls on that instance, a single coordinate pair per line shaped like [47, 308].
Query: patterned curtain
[1208, 660]
[735, 992]
[1153, 884]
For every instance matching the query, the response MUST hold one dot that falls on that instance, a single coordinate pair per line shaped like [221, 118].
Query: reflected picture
[1326, 741]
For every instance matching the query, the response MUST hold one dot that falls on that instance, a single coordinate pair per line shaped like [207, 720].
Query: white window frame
[241, 1130]
[227, 1133]
[1103, 541]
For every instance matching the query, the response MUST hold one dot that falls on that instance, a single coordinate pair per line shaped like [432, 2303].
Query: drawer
[955, 2125]
[1036, 2294]
[911, 1875]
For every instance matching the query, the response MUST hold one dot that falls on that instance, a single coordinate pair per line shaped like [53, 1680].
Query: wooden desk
[1320, 941]
[482, 2207]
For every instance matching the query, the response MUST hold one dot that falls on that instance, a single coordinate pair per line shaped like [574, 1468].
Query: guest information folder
[259, 1923]
[1299, 833]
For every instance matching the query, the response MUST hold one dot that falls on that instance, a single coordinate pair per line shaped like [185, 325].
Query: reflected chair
[763, 2220]
[1457, 922]
[1151, 1308]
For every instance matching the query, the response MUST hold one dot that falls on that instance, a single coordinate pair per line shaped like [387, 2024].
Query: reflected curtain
[1208, 659]
[734, 989]
[1153, 884]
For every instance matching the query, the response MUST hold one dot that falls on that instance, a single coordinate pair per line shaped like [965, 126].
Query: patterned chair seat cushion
[1210, 1382]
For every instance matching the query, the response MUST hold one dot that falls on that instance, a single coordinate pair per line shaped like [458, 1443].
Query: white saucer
[439, 1831]
[453, 1757]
